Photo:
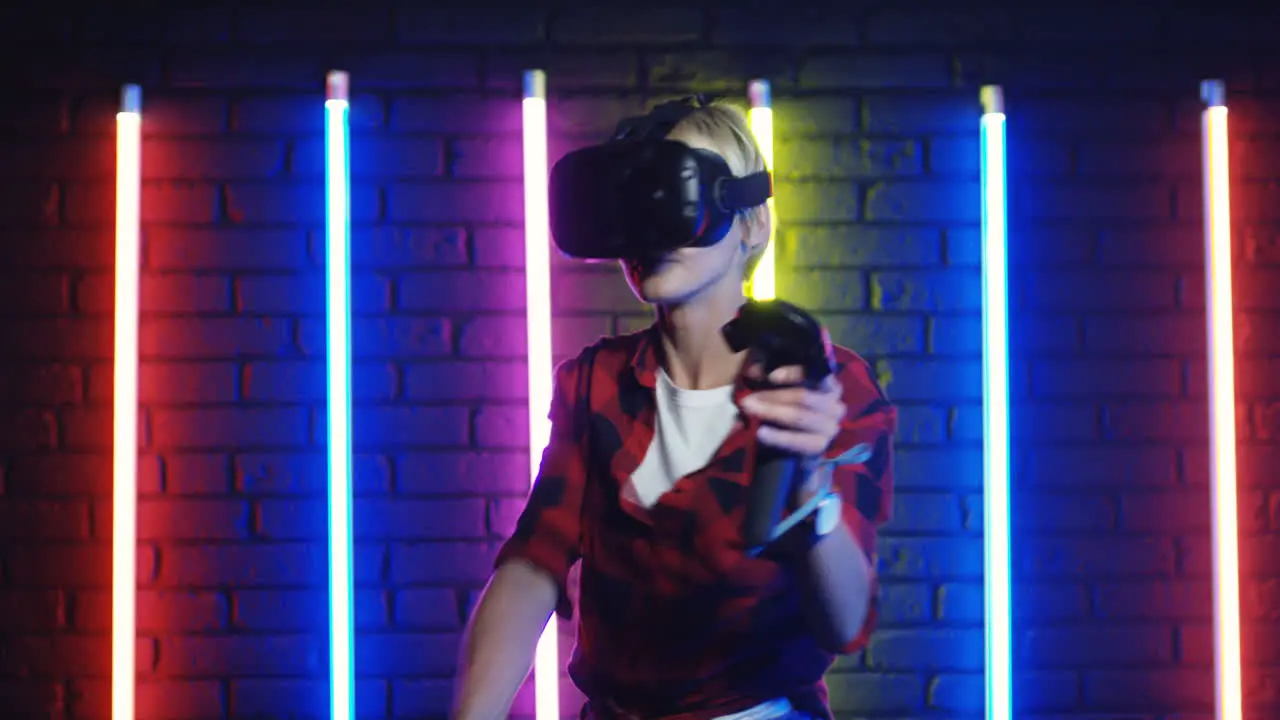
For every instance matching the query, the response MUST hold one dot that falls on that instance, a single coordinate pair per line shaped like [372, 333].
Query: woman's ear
[755, 228]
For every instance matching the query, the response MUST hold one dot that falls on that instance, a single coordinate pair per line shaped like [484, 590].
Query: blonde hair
[726, 129]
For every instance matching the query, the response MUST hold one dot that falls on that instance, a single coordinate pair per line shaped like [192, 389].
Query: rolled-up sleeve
[866, 485]
[548, 533]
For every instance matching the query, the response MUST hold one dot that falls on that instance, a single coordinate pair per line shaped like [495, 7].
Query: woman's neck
[695, 354]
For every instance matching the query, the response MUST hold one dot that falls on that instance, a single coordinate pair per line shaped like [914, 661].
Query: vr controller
[779, 334]
[640, 195]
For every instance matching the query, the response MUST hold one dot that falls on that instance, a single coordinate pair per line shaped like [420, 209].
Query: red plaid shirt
[675, 619]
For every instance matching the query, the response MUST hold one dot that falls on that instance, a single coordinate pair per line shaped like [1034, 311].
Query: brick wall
[877, 112]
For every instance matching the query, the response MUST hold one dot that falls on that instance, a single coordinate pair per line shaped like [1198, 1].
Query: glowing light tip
[131, 99]
[337, 85]
[760, 94]
[992, 98]
[1213, 93]
[535, 84]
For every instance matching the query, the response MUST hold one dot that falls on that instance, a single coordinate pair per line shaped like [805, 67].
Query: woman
[645, 479]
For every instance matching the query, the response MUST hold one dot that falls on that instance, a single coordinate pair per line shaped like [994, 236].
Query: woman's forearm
[498, 645]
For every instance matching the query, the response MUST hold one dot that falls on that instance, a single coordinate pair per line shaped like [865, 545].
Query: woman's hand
[796, 418]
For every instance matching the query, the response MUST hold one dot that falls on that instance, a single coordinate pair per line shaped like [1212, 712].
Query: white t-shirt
[690, 427]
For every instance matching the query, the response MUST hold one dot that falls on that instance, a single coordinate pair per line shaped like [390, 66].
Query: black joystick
[778, 334]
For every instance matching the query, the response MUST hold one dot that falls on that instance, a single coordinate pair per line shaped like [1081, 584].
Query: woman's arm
[500, 640]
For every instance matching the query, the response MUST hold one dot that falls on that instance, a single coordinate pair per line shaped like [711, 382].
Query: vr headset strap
[740, 193]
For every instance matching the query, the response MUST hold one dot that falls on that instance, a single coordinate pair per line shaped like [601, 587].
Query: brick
[240, 69]
[64, 158]
[254, 697]
[899, 26]
[1032, 69]
[874, 71]
[1154, 600]
[907, 115]
[1102, 24]
[593, 292]
[458, 113]
[857, 246]
[920, 558]
[279, 473]
[1095, 115]
[817, 202]
[1147, 690]
[41, 114]
[1139, 159]
[882, 693]
[305, 294]
[505, 336]
[1075, 512]
[1106, 290]
[32, 610]
[191, 248]
[1100, 201]
[260, 564]
[499, 473]
[799, 27]
[162, 202]
[390, 426]
[34, 698]
[922, 380]
[920, 424]
[401, 337]
[209, 159]
[956, 692]
[847, 158]
[51, 384]
[468, 563]
[266, 25]
[427, 609]
[938, 649]
[828, 290]
[213, 338]
[401, 247]
[297, 202]
[1097, 558]
[932, 513]
[567, 70]
[1157, 421]
[196, 474]
[463, 291]
[239, 655]
[951, 291]
[437, 382]
[891, 201]
[35, 294]
[609, 25]
[489, 202]
[486, 158]
[1145, 334]
[813, 115]
[303, 114]
[714, 71]
[415, 654]
[434, 26]
[227, 427]
[1156, 377]
[192, 519]
[454, 69]
[875, 335]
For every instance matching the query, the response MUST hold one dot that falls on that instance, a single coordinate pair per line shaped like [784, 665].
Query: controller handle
[780, 334]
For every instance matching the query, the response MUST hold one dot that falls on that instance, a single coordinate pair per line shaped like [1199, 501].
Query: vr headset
[640, 196]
